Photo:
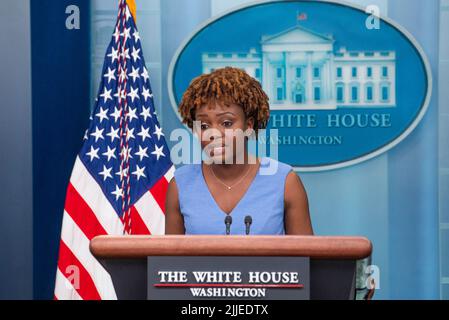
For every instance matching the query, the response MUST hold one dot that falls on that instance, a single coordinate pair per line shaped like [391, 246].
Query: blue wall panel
[16, 220]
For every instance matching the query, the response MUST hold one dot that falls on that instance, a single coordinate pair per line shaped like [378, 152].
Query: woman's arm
[174, 222]
[296, 207]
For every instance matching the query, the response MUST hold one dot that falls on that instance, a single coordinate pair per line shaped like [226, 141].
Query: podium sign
[234, 277]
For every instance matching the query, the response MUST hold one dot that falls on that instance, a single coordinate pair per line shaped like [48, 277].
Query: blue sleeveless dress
[263, 201]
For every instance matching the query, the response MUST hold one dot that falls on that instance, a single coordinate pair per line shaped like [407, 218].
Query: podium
[156, 267]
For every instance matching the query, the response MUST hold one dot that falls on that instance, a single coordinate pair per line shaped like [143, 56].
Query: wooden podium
[331, 260]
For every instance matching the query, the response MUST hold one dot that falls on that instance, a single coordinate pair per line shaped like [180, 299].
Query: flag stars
[136, 36]
[139, 172]
[124, 112]
[126, 34]
[144, 133]
[106, 173]
[142, 153]
[145, 74]
[117, 34]
[127, 14]
[136, 54]
[120, 95]
[110, 153]
[145, 113]
[93, 153]
[134, 94]
[106, 95]
[132, 114]
[102, 114]
[158, 152]
[110, 75]
[98, 134]
[158, 132]
[146, 94]
[134, 74]
[130, 134]
[122, 173]
[113, 134]
[113, 55]
[118, 193]
[126, 153]
[116, 114]
[125, 54]
[122, 75]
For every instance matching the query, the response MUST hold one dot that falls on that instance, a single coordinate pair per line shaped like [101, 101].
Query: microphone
[228, 221]
[248, 221]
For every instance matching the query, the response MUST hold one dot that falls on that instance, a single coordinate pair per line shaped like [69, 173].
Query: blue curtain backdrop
[61, 105]
[413, 176]
[392, 199]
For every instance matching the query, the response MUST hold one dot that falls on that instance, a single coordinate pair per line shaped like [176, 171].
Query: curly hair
[226, 85]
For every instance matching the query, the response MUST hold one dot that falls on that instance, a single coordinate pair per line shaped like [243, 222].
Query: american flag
[121, 174]
[301, 16]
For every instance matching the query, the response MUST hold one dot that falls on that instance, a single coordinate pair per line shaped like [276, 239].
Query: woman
[201, 196]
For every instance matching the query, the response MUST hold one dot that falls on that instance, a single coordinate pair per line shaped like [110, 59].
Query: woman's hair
[226, 85]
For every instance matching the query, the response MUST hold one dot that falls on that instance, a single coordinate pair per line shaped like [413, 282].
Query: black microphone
[248, 221]
[228, 221]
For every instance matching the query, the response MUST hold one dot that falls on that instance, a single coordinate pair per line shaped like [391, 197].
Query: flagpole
[132, 8]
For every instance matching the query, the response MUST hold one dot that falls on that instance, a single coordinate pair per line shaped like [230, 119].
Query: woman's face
[221, 130]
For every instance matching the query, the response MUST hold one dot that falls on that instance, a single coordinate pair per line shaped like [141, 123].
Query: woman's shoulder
[269, 164]
[186, 170]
